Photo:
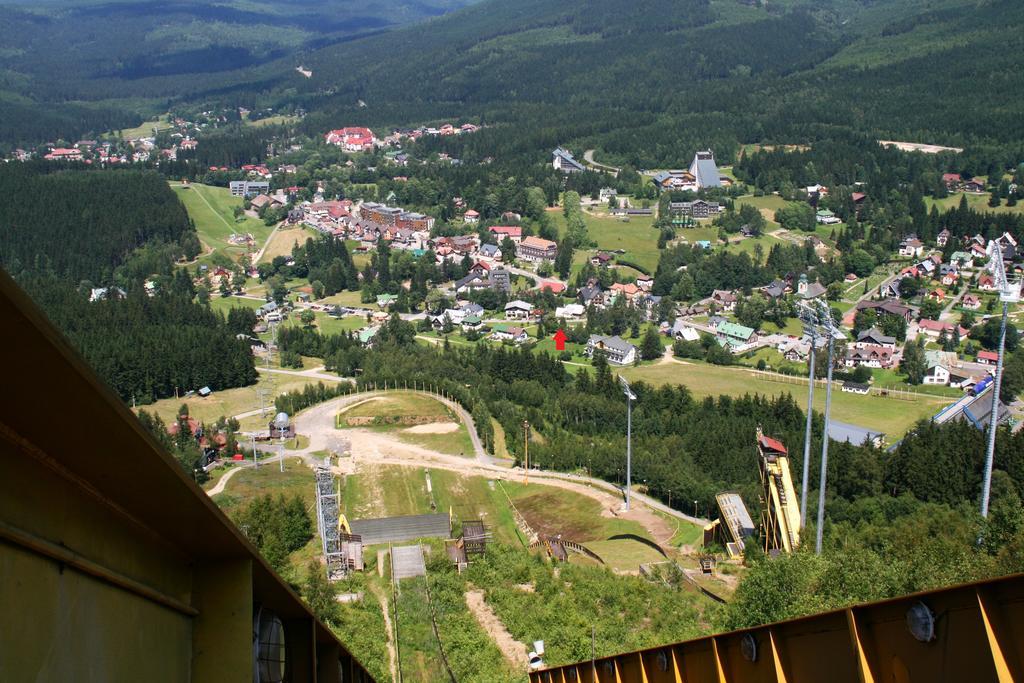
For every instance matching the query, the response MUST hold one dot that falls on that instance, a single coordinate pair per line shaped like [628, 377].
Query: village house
[826, 217]
[617, 350]
[628, 291]
[776, 289]
[943, 237]
[733, 335]
[870, 356]
[472, 323]
[936, 373]
[874, 337]
[935, 328]
[683, 331]
[987, 283]
[513, 232]
[600, 259]
[536, 249]
[518, 310]
[471, 216]
[974, 186]
[952, 181]
[724, 299]
[988, 357]
[490, 251]
[961, 259]
[552, 286]
[516, 335]
[591, 294]
[795, 350]
[911, 247]
[570, 311]
[971, 302]
[887, 307]
[470, 283]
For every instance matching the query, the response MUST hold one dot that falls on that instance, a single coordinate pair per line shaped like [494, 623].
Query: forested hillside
[143, 54]
[652, 78]
[67, 233]
[82, 225]
[639, 81]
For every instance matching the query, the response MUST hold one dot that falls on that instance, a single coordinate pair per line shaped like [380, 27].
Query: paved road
[312, 373]
[588, 157]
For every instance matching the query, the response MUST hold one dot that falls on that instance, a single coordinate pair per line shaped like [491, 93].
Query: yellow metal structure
[115, 565]
[978, 638]
[780, 518]
[343, 524]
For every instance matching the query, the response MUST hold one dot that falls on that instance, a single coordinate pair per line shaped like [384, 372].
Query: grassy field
[637, 237]
[283, 240]
[226, 303]
[978, 202]
[767, 204]
[212, 210]
[399, 404]
[297, 479]
[404, 408]
[145, 129]
[891, 416]
[230, 402]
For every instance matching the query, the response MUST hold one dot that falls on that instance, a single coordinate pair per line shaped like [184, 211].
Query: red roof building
[769, 444]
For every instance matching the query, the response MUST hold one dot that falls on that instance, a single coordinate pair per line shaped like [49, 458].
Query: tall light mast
[1009, 292]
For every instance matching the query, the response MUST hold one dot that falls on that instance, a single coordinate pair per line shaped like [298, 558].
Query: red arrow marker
[560, 340]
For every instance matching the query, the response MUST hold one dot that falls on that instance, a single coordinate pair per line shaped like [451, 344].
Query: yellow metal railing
[971, 632]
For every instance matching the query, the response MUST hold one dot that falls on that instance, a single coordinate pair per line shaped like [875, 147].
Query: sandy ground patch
[434, 428]
[512, 649]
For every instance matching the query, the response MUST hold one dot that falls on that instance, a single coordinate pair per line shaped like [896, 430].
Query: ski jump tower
[780, 518]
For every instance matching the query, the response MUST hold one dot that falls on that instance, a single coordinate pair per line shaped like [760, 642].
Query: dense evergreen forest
[67, 233]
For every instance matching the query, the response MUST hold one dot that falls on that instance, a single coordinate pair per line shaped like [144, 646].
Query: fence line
[881, 392]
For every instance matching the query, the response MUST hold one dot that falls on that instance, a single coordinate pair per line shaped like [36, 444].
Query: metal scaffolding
[342, 552]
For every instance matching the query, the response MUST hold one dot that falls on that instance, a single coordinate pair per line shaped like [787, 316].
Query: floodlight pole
[807, 432]
[993, 420]
[629, 445]
[630, 397]
[824, 441]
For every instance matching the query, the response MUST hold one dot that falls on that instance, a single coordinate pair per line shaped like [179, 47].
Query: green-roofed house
[367, 334]
[472, 322]
[385, 300]
[826, 217]
[961, 259]
[733, 335]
